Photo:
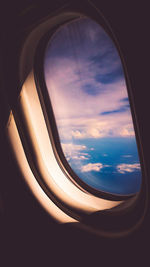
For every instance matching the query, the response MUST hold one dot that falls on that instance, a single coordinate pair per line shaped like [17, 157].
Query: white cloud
[92, 167]
[123, 168]
[96, 127]
[73, 151]
[72, 147]
[77, 134]
[127, 130]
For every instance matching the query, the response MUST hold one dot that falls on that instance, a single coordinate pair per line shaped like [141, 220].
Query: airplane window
[74, 123]
[87, 90]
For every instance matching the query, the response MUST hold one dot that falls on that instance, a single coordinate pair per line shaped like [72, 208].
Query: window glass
[86, 85]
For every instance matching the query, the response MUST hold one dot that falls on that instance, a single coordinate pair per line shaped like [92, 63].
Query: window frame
[50, 118]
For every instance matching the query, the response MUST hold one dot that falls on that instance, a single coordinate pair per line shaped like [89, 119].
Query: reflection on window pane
[86, 85]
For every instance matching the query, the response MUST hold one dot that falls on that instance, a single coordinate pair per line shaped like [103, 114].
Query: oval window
[87, 89]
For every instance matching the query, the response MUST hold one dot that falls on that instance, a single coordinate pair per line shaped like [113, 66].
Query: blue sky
[86, 84]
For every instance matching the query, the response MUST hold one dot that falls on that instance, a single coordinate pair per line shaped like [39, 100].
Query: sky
[87, 88]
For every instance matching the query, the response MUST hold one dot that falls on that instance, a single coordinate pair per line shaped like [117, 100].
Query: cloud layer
[85, 81]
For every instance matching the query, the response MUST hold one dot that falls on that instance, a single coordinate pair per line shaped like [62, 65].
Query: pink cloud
[92, 167]
[123, 168]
